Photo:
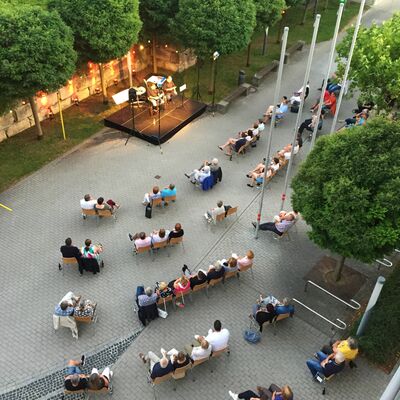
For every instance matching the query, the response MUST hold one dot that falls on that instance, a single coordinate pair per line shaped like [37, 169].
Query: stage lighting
[215, 55]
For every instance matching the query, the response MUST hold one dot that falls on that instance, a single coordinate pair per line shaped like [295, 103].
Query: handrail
[397, 250]
[343, 327]
[385, 262]
[358, 305]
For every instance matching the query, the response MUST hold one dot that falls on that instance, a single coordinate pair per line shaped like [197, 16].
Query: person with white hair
[148, 298]
[212, 214]
[158, 366]
[198, 175]
[325, 365]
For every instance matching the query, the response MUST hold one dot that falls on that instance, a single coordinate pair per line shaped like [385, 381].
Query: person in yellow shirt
[348, 347]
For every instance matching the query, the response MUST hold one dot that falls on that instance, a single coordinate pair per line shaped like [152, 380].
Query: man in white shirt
[212, 214]
[88, 202]
[217, 337]
[159, 236]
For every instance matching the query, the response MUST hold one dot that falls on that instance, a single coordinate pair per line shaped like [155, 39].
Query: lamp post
[61, 114]
[215, 58]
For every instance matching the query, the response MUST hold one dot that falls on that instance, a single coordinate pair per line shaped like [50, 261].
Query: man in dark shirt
[75, 380]
[177, 232]
[69, 251]
[326, 366]
[215, 271]
[158, 367]
[198, 279]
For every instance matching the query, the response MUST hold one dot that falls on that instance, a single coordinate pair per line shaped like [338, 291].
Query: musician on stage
[169, 88]
[155, 96]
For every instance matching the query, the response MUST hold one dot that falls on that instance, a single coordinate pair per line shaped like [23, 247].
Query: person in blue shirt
[64, 309]
[280, 110]
[168, 192]
[158, 366]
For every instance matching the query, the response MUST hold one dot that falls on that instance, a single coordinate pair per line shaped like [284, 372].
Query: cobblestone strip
[53, 382]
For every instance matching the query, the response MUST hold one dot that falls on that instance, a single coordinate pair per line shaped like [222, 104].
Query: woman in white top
[159, 236]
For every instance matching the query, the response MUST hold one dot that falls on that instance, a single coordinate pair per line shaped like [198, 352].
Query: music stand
[182, 91]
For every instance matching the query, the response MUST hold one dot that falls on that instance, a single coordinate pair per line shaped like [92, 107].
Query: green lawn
[23, 154]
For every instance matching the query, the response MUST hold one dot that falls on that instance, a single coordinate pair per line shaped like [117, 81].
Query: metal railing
[357, 307]
[343, 327]
[385, 262]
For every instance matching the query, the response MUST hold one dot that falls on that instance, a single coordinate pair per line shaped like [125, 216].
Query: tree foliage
[36, 52]
[222, 25]
[269, 12]
[103, 29]
[156, 15]
[348, 191]
[375, 66]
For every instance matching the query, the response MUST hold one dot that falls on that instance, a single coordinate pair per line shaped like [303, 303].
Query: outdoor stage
[173, 118]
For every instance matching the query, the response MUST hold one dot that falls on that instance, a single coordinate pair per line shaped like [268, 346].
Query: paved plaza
[46, 211]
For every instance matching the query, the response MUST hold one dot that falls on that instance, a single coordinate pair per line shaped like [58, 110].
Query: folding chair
[67, 261]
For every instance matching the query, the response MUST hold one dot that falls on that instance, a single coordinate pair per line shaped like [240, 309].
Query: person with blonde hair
[199, 349]
[246, 260]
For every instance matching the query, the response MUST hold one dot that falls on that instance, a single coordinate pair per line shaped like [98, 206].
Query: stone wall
[83, 85]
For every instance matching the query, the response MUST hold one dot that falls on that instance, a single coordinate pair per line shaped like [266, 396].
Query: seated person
[98, 381]
[212, 214]
[69, 251]
[233, 144]
[110, 205]
[281, 307]
[217, 337]
[286, 152]
[326, 99]
[140, 239]
[297, 95]
[348, 347]
[309, 123]
[198, 279]
[159, 236]
[155, 97]
[326, 366]
[333, 84]
[215, 271]
[199, 349]
[74, 379]
[91, 251]
[180, 285]
[281, 109]
[198, 175]
[169, 191]
[147, 298]
[88, 202]
[229, 265]
[177, 232]
[163, 290]
[273, 393]
[169, 88]
[278, 227]
[246, 260]
[66, 306]
[330, 104]
[179, 359]
[85, 308]
[158, 366]
[149, 197]
[256, 174]
[357, 120]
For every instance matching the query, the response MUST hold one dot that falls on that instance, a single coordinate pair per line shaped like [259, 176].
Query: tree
[36, 53]
[214, 25]
[289, 4]
[348, 191]
[375, 66]
[157, 16]
[103, 29]
[268, 13]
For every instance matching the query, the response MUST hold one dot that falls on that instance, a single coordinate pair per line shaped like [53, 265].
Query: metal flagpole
[129, 62]
[346, 72]
[305, 82]
[332, 54]
[276, 99]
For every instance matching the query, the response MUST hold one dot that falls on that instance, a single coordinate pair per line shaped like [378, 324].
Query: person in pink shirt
[246, 260]
[140, 239]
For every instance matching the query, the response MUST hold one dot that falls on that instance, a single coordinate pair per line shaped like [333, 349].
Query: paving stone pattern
[46, 211]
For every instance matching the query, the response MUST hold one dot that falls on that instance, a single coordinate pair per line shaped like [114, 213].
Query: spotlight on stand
[215, 58]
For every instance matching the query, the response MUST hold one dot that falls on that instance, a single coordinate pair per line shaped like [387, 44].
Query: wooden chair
[323, 379]
[231, 211]
[178, 240]
[246, 268]
[168, 199]
[180, 373]
[232, 274]
[182, 294]
[281, 316]
[156, 202]
[105, 390]
[159, 245]
[214, 282]
[197, 363]
[159, 381]
[141, 250]
[219, 218]
[242, 150]
[162, 301]
[88, 213]
[67, 261]
[200, 287]
[105, 214]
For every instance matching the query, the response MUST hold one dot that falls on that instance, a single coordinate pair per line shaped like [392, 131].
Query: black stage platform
[173, 118]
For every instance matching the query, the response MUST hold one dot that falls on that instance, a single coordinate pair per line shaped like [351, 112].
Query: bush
[380, 342]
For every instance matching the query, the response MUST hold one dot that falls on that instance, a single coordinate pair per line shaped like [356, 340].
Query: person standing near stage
[169, 88]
